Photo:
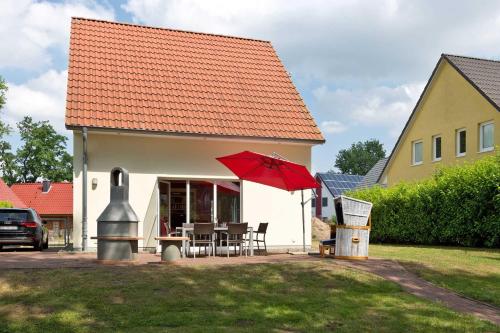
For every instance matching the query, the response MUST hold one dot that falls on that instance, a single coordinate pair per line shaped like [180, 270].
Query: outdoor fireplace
[117, 226]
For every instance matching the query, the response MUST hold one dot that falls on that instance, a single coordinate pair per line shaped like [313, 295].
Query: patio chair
[261, 231]
[169, 231]
[236, 235]
[203, 234]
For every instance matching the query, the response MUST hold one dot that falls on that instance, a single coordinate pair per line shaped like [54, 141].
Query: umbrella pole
[303, 223]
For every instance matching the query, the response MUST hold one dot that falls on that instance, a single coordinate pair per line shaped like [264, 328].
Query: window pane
[325, 202]
[313, 202]
[418, 152]
[462, 142]
[437, 147]
[228, 202]
[201, 202]
[487, 133]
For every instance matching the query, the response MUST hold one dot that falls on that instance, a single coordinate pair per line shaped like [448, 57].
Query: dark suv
[22, 227]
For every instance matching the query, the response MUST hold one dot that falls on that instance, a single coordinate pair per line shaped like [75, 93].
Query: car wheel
[1, 247]
[39, 245]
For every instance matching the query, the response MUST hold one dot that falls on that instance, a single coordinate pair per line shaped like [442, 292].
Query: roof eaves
[197, 135]
[468, 79]
[411, 117]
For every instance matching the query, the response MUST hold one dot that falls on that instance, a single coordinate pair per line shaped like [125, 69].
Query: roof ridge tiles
[469, 57]
[168, 29]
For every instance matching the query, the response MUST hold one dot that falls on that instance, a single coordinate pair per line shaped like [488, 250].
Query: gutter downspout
[84, 191]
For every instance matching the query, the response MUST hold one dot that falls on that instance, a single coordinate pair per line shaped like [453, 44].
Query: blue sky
[360, 66]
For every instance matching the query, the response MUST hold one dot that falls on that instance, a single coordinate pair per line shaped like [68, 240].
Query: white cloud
[42, 98]
[333, 127]
[379, 107]
[343, 41]
[31, 29]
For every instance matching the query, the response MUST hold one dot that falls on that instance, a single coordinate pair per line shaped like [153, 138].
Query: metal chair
[261, 231]
[203, 234]
[236, 235]
[169, 231]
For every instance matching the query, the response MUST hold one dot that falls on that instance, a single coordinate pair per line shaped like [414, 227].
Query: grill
[117, 226]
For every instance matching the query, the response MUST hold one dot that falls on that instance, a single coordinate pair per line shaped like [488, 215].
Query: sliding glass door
[197, 201]
[228, 202]
[201, 202]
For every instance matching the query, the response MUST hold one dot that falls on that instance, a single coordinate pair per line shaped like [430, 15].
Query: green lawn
[292, 297]
[471, 272]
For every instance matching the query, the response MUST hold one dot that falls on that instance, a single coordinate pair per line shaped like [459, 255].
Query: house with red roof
[6, 194]
[54, 203]
[163, 104]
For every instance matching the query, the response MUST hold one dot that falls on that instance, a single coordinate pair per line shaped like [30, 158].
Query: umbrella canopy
[273, 172]
[269, 171]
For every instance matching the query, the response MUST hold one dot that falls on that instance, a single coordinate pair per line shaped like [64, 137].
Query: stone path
[388, 269]
[411, 283]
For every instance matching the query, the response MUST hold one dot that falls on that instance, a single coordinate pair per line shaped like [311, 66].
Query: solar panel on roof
[339, 183]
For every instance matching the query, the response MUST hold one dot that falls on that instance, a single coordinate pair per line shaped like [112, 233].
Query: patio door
[164, 208]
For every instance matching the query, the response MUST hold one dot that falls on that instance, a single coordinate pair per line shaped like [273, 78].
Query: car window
[13, 215]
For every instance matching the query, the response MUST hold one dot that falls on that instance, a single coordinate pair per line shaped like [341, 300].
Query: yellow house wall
[450, 103]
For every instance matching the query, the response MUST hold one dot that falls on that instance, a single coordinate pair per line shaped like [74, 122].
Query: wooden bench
[171, 247]
[117, 238]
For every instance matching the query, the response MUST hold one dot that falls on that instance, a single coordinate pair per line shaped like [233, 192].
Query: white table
[185, 230]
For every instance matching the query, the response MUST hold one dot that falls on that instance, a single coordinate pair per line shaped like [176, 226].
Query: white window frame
[481, 149]
[457, 142]
[413, 144]
[434, 150]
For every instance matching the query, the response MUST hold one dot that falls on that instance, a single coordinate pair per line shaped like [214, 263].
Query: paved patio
[28, 259]
[387, 269]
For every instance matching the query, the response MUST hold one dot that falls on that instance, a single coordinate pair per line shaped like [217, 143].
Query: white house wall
[328, 211]
[149, 157]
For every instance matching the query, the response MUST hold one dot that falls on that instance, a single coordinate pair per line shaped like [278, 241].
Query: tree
[360, 157]
[43, 153]
[5, 154]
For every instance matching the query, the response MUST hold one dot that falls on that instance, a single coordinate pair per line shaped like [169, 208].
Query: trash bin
[353, 228]
[117, 226]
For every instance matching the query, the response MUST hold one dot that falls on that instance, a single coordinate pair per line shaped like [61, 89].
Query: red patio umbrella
[271, 171]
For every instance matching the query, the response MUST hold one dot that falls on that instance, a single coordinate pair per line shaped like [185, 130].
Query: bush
[5, 204]
[458, 206]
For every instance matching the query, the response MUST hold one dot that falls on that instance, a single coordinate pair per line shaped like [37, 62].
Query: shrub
[5, 204]
[459, 205]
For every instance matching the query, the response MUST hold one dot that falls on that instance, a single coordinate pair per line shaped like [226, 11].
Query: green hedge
[5, 204]
[458, 206]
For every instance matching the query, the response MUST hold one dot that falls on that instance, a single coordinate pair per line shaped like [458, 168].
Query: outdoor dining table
[186, 230]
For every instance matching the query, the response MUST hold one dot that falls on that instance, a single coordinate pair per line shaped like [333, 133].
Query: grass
[468, 271]
[287, 297]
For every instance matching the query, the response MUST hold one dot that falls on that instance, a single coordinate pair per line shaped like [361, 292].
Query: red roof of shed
[6, 194]
[130, 77]
[57, 201]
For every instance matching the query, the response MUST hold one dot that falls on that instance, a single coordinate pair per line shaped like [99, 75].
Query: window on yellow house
[436, 148]
[486, 136]
[461, 142]
[417, 152]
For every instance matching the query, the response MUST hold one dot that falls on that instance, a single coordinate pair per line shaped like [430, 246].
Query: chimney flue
[45, 186]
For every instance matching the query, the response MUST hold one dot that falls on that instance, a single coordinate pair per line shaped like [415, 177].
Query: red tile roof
[131, 77]
[6, 194]
[57, 201]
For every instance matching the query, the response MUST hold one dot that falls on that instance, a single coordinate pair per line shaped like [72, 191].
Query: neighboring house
[6, 194]
[332, 185]
[54, 203]
[163, 104]
[372, 177]
[456, 119]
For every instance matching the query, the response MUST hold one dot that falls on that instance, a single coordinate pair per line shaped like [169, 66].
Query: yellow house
[453, 121]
